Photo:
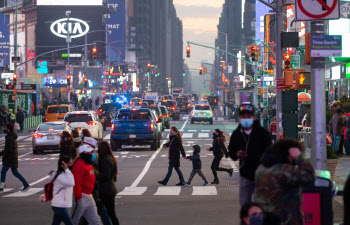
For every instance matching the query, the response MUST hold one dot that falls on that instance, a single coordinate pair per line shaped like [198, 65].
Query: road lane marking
[229, 162]
[133, 191]
[168, 191]
[185, 117]
[30, 191]
[38, 181]
[192, 130]
[124, 153]
[184, 125]
[147, 166]
[187, 135]
[108, 136]
[204, 190]
[28, 153]
[6, 190]
[203, 135]
[219, 119]
[205, 130]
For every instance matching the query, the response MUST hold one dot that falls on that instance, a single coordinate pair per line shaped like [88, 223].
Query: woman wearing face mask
[84, 178]
[175, 148]
[219, 149]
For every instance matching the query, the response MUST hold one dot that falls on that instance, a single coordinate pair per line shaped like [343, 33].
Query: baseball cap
[246, 108]
[91, 141]
[85, 148]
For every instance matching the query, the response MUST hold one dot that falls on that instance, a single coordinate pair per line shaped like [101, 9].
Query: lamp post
[226, 69]
[68, 41]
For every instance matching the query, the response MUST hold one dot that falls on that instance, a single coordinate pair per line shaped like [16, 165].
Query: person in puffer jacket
[197, 165]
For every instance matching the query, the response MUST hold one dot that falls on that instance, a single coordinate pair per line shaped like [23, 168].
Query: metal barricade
[32, 122]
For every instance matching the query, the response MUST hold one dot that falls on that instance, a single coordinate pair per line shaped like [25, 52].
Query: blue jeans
[336, 143]
[170, 170]
[15, 173]
[61, 215]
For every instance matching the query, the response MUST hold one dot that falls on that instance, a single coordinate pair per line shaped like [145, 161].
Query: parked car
[159, 114]
[57, 112]
[165, 116]
[85, 120]
[135, 127]
[47, 136]
[202, 113]
[107, 112]
[173, 109]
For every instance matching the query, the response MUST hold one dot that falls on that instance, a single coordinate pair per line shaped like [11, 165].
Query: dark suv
[173, 109]
[184, 104]
[107, 112]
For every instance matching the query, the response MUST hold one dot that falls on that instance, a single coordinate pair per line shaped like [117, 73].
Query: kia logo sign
[76, 27]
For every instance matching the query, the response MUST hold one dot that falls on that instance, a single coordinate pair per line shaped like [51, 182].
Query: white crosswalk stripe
[207, 190]
[219, 119]
[168, 191]
[203, 135]
[133, 191]
[31, 191]
[187, 135]
[107, 137]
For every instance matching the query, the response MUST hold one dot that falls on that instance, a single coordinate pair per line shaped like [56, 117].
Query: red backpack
[48, 188]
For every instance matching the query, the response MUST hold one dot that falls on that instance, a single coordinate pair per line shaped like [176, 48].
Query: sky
[200, 19]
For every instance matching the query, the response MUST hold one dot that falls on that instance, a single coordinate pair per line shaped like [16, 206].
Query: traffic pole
[279, 57]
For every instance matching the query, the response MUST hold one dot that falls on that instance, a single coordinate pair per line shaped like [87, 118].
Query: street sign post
[326, 45]
[295, 61]
[317, 10]
[236, 79]
[280, 84]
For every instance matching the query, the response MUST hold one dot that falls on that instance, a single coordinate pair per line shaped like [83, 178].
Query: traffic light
[68, 81]
[85, 82]
[288, 78]
[184, 74]
[205, 85]
[188, 51]
[148, 66]
[15, 80]
[226, 83]
[260, 91]
[252, 50]
[303, 79]
[94, 53]
[287, 61]
[200, 70]
[205, 70]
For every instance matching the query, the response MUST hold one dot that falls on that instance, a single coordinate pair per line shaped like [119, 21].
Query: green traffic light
[183, 74]
[172, 84]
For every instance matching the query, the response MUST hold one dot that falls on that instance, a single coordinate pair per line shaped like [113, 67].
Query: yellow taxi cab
[57, 112]
[134, 100]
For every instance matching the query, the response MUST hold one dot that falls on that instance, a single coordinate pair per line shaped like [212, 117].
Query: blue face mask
[246, 123]
[93, 157]
[81, 136]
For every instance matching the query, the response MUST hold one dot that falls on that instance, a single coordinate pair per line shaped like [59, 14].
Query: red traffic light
[14, 76]
[188, 48]
[94, 50]
[68, 77]
[85, 79]
[252, 48]
[287, 56]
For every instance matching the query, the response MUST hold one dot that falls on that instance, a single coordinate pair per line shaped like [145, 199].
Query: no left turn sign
[317, 9]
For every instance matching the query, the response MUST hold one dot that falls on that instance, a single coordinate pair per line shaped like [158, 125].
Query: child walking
[197, 165]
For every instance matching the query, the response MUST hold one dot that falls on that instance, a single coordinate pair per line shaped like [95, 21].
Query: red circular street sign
[329, 9]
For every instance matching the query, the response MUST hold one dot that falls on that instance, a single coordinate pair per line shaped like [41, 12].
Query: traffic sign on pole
[345, 9]
[295, 61]
[317, 10]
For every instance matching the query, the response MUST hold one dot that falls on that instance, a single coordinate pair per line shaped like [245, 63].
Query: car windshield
[76, 118]
[163, 110]
[62, 109]
[135, 100]
[182, 100]
[150, 102]
[202, 107]
[50, 126]
[156, 109]
[168, 103]
[134, 115]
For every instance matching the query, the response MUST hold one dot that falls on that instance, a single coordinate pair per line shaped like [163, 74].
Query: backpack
[48, 189]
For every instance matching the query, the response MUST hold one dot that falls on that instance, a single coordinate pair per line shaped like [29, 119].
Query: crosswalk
[193, 134]
[186, 117]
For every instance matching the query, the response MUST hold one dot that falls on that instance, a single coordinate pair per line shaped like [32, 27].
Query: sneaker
[25, 188]
[2, 186]
[162, 183]
[180, 184]
[215, 182]
[205, 183]
[230, 171]
[187, 184]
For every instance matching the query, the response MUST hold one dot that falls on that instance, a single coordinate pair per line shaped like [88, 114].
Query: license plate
[104, 117]
[50, 137]
[78, 128]
[132, 136]
[202, 113]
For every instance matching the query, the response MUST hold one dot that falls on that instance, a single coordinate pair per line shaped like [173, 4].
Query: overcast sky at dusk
[200, 19]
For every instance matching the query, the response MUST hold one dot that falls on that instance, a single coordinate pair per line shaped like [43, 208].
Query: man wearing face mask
[85, 179]
[248, 143]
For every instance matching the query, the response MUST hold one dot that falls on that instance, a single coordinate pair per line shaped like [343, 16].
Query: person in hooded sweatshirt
[279, 180]
[63, 183]
[84, 178]
[10, 158]
[197, 165]
[219, 150]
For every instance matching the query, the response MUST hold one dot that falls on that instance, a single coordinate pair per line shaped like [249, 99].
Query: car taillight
[46, 119]
[100, 112]
[50, 129]
[160, 115]
[192, 112]
[173, 108]
[37, 135]
[91, 123]
[152, 126]
[113, 126]
[211, 112]
[188, 105]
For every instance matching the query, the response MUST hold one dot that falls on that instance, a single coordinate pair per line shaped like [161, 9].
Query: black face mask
[86, 158]
[215, 136]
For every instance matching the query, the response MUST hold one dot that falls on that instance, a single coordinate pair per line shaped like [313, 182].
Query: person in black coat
[248, 143]
[175, 148]
[219, 150]
[10, 158]
[20, 118]
[197, 165]
[67, 146]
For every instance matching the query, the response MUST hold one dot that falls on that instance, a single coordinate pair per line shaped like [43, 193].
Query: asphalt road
[141, 200]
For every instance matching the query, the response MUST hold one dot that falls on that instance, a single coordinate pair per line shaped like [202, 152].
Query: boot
[215, 182]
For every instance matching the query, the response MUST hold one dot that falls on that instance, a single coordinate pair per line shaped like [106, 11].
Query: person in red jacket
[84, 178]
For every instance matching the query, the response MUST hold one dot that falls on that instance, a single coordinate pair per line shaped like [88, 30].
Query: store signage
[10, 87]
[326, 45]
[312, 208]
[316, 10]
[347, 71]
[28, 86]
[49, 81]
[76, 27]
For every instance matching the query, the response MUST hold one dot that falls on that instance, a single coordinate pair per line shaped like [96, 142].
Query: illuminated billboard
[94, 76]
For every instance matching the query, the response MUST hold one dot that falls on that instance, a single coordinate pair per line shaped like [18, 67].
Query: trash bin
[317, 200]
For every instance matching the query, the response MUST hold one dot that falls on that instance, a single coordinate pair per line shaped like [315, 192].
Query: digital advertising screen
[246, 97]
[94, 76]
[53, 26]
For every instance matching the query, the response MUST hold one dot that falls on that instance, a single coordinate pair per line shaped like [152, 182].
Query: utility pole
[68, 41]
[279, 57]
[15, 54]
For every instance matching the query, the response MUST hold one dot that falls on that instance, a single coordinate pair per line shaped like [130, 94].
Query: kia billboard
[53, 26]
[94, 76]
